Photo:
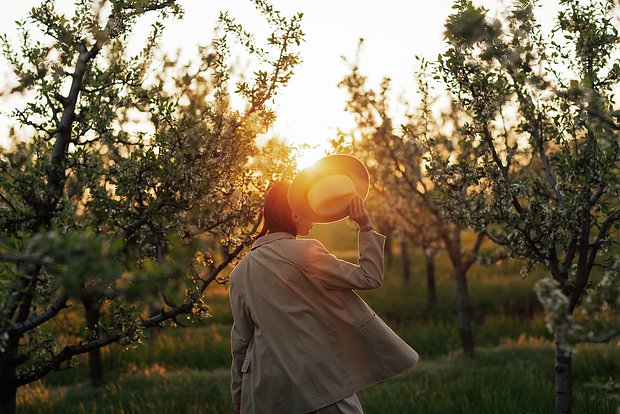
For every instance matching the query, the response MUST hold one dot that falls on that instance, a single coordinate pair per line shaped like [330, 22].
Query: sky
[312, 107]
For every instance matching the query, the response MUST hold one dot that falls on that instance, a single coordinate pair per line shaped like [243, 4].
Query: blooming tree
[406, 195]
[541, 176]
[138, 179]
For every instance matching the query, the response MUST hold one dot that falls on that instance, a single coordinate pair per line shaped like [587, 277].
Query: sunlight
[305, 157]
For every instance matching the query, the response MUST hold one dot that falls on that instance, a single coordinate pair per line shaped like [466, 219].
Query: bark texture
[95, 363]
[464, 312]
[431, 290]
[404, 252]
[563, 395]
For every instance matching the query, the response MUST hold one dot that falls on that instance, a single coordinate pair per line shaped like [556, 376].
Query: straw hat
[322, 192]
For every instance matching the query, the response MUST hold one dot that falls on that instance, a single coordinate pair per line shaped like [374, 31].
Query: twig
[6, 200]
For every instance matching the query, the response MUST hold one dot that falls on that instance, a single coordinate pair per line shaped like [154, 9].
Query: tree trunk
[431, 290]
[464, 312]
[562, 376]
[8, 390]
[8, 377]
[95, 364]
[389, 253]
[404, 252]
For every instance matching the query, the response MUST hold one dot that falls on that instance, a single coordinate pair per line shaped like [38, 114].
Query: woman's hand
[358, 213]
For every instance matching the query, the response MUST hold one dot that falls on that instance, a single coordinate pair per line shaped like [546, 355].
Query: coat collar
[271, 237]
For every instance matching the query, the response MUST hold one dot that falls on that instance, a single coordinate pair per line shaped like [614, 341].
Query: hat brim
[330, 165]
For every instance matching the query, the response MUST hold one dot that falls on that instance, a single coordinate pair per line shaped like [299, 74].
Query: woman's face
[303, 226]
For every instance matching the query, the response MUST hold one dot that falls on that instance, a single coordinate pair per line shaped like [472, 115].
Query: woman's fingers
[358, 213]
[362, 207]
[355, 207]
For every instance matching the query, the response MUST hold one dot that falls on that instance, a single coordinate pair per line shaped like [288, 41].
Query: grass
[511, 378]
[187, 370]
[152, 389]
[204, 347]
[507, 379]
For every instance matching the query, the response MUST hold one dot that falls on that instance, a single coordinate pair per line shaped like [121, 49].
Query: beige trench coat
[301, 338]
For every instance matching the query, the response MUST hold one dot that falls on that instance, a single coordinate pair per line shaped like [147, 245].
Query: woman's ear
[294, 217]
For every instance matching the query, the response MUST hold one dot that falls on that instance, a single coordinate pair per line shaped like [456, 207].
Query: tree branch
[598, 193]
[6, 200]
[602, 233]
[12, 299]
[70, 351]
[606, 337]
[514, 200]
[537, 132]
[154, 7]
[56, 173]
[139, 222]
[66, 354]
[489, 140]
[64, 101]
[569, 256]
[9, 258]
[604, 118]
[38, 319]
[419, 230]
[473, 254]
[545, 161]
[503, 242]
[583, 273]
[554, 262]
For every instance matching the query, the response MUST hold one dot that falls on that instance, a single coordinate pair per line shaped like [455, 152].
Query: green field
[185, 370]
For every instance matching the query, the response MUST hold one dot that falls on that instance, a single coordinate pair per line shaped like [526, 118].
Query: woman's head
[278, 215]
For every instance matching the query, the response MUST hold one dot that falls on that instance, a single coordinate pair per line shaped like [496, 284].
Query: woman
[302, 340]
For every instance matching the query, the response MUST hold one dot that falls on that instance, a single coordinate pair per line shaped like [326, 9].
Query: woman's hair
[277, 212]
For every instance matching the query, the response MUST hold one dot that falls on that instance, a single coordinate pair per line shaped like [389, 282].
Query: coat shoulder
[306, 249]
[307, 243]
[239, 269]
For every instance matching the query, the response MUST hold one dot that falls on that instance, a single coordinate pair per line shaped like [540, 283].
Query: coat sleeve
[334, 273]
[240, 337]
